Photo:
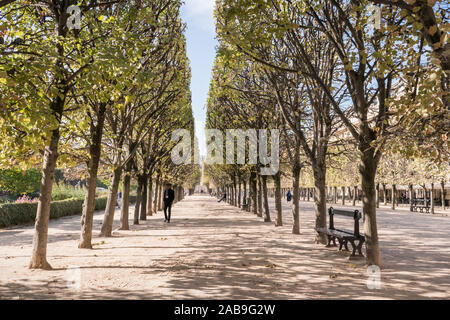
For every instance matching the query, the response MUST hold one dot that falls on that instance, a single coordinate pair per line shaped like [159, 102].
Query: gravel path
[213, 250]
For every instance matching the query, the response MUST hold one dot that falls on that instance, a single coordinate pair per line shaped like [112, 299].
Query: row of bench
[354, 237]
[417, 205]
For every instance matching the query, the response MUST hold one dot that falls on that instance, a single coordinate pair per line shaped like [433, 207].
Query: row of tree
[101, 97]
[334, 85]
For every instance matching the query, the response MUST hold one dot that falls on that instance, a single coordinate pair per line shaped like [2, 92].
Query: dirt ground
[212, 250]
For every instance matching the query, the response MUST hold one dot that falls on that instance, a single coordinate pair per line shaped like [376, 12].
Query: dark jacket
[288, 196]
[170, 196]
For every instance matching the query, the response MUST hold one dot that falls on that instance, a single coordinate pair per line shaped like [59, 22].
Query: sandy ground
[212, 250]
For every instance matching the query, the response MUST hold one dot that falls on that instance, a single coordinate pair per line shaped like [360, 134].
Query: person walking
[169, 196]
[119, 199]
[288, 196]
[224, 197]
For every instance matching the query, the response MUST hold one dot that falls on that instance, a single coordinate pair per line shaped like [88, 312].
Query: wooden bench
[342, 235]
[421, 204]
[246, 205]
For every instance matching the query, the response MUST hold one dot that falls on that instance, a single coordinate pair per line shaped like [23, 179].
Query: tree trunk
[443, 195]
[265, 199]
[245, 192]
[39, 251]
[384, 194]
[227, 192]
[254, 193]
[335, 195]
[160, 197]
[355, 194]
[155, 201]
[239, 192]
[394, 196]
[296, 196]
[278, 206]
[108, 218]
[343, 195]
[149, 195]
[432, 198]
[124, 209]
[260, 209]
[175, 194]
[367, 169]
[95, 149]
[137, 205]
[235, 196]
[233, 193]
[230, 194]
[320, 199]
[377, 195]
[143, 213]
[411, 197]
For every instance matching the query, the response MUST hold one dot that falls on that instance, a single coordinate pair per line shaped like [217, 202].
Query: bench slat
[341, 234]
[350, 232]
[344, 212]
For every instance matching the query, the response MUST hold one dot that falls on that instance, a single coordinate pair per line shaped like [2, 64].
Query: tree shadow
[227, 253]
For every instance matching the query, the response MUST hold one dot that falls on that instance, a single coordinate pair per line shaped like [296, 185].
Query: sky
[201, 44]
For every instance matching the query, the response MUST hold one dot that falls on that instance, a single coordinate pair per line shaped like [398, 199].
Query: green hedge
[20, 213]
